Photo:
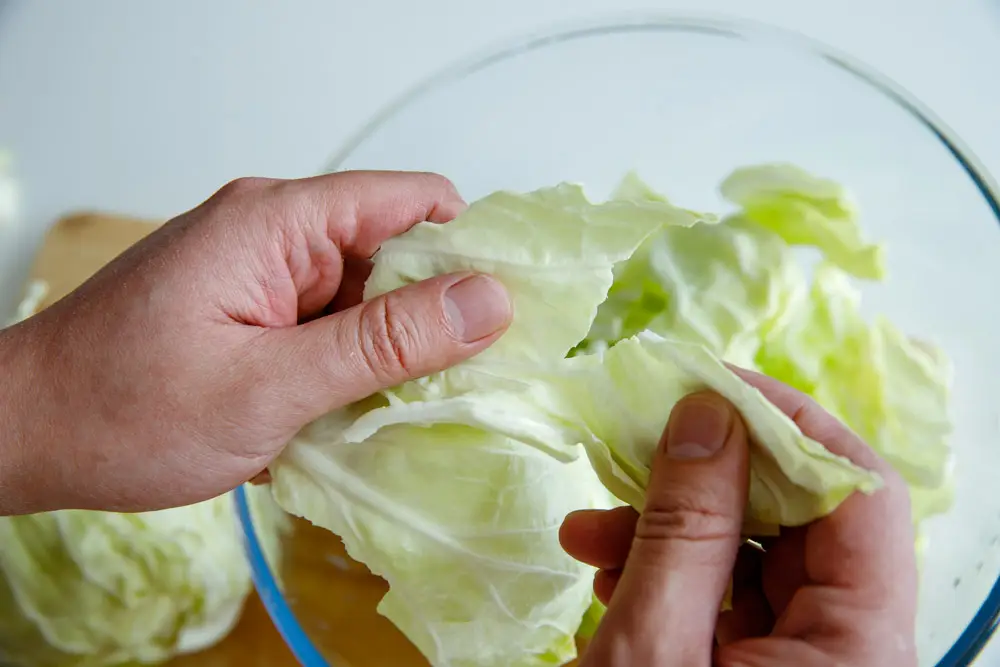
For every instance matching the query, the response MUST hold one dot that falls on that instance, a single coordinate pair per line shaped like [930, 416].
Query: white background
[146, 107]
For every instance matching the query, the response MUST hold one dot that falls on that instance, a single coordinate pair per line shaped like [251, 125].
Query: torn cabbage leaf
[452, 487]
[463, 524]
[891, 390]
[739, 289]
[716, 285]
[805, 210]
[611, 403]
[725, 285]
[552, 249]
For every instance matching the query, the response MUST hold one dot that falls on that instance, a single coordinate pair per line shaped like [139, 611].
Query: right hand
[840, 591]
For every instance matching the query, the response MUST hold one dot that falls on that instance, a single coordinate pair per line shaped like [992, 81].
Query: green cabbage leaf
[452, 487]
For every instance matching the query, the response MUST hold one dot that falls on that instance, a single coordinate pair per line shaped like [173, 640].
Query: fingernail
[476, 307]
[698, 427]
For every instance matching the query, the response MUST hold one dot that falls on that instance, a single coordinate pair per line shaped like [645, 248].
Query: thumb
[681, 561]
[408, 333]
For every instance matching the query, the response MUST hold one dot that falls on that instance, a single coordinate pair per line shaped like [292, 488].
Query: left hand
[181, 369]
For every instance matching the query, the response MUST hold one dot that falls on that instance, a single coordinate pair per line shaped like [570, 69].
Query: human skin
[181, 369]
[840, 591]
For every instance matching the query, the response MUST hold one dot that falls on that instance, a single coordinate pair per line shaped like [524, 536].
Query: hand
[841, 591]
[181, 369]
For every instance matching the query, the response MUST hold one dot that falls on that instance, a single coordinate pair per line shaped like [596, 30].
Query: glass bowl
[683, 101]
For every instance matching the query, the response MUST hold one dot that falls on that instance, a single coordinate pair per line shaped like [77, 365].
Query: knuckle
[446, 188]
[388, 340]
[686, 521]
[243, 186]
[838, 438]
[809, 409]
[440, 187]
[443, 183]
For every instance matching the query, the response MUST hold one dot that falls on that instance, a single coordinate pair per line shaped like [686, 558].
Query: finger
[605, 582]
[313, 224]
[349, 286]
[601, 538]
[865, 547]
[405, 334]
[850, 531]
[771, 652]
[352, 284]
[748, 568]
[751, 615]
[686, 538]
[784, 568]
[813, 420]
[859, 561]
[359, 210]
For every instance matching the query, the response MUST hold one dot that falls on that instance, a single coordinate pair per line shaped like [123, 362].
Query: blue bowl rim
[269, 590]
[979, 631]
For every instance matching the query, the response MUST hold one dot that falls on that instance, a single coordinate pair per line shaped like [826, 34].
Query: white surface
[147, 107]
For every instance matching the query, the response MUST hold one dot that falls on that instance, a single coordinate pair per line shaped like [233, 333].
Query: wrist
[22, 417]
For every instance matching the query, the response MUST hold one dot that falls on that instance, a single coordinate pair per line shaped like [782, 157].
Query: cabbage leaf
[452, 487]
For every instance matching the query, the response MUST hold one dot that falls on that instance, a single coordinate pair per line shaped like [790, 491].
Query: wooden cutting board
[333, 597]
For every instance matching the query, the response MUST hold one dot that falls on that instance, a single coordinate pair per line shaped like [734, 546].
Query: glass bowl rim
[984, 623]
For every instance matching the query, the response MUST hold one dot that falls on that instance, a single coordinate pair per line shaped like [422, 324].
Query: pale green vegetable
[463, 525]
[552, 249]
[34, 295]
[452, 487]
[715, 285]
[793, 479]
[591, 619]
[104, 589]
[738, 289]
[891, 390]
[610, 402]
[806, 210]
[97, 589]
[8, 191]
[724, 285]
[463, 522]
